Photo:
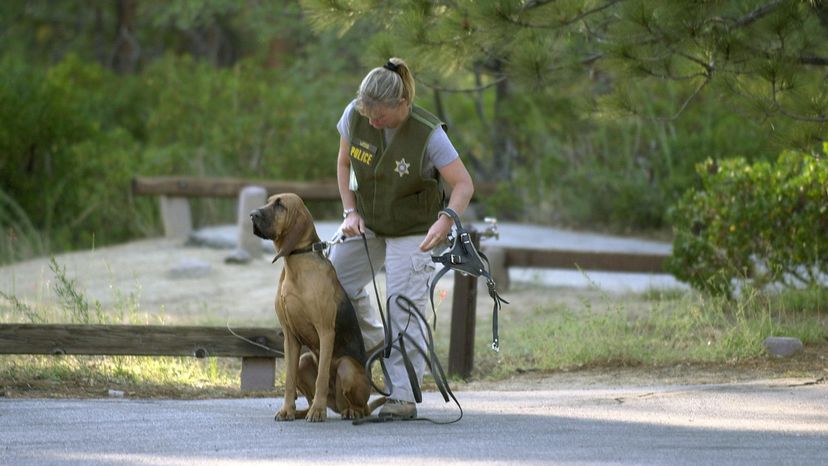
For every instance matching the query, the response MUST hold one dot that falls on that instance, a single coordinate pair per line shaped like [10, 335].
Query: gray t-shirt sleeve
[439, 149]
[344, 123]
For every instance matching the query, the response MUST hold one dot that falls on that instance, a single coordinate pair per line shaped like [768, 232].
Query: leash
[254, 343]
[429, 354]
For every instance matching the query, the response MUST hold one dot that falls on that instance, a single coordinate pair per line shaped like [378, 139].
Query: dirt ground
[164, 281]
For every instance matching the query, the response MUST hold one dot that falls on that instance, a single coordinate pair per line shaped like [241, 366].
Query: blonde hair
[386, 85]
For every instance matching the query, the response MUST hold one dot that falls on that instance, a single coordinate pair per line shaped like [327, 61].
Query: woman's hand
[353, 224]
[462, 189]
[437, 233]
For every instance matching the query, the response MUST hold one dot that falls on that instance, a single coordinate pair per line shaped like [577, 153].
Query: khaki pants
[408, 271]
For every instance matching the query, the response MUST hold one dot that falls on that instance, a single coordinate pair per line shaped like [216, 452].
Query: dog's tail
[376, 403]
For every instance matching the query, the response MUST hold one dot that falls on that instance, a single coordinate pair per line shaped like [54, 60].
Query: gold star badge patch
[402, 167]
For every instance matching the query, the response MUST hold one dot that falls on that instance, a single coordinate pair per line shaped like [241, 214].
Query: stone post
[176, 217]
[248, 245]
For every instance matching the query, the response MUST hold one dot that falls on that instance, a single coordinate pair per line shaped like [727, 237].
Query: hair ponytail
[386, 85]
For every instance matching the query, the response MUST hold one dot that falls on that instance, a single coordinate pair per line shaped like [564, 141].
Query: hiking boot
[398, 409]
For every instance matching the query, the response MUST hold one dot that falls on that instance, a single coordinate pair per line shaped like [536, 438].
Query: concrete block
[258, 374]
[176, 217]
[248, 245]
[783, 347]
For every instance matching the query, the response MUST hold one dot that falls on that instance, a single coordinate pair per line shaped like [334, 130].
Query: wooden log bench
[258, 364]
[502, 258]
[174, 194]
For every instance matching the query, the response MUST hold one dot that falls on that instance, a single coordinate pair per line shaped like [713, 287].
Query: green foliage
[546, 91]
[764, 59]
[246, 120]
[765, 222]
[18, 307]
[624, 173]
[69, 153]
[19, 239]
[74, 134]
[546, 94]
[73, 301]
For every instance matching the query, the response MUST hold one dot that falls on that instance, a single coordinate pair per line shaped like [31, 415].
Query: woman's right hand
[353, 224]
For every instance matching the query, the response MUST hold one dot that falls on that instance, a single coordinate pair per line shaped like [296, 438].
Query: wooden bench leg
[258, 374]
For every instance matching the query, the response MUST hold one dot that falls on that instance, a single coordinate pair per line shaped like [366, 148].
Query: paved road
[748, 423]
[524, 236]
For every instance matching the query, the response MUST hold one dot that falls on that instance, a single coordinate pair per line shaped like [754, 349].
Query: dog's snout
[255, 214]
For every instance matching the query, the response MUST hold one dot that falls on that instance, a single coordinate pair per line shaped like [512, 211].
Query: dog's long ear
[298, 226]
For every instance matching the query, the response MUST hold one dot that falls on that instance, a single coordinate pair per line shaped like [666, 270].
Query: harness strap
[464, 257]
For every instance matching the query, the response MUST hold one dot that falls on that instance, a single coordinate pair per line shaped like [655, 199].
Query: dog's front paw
[317, 414]
[353, 413]
[285, 414]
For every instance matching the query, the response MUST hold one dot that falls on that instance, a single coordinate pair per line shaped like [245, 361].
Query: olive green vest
[392, 195]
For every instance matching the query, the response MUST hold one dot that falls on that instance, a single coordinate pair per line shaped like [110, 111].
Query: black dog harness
[463, 257]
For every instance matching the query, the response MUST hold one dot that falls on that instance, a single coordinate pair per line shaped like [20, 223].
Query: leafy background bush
[763, 223]
[73, 135]
[75, 128]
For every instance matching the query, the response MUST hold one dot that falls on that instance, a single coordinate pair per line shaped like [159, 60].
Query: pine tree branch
[772, 105]
[673, 77]
[812, 60]
[560, 24]
[685, 104]
[821, 118]
[663, 38]
[535, 4]
[466, 90]
[757, 14]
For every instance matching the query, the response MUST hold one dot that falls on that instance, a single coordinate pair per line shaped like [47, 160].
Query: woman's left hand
[437, 233]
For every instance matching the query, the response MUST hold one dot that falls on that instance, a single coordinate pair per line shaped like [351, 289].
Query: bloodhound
[314, 311]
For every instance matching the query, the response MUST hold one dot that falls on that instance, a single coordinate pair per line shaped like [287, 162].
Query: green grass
[657, 329]
[146, 377]
[95, 375]
[19, 239]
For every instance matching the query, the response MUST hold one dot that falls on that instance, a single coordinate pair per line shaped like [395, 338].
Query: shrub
[761, 223]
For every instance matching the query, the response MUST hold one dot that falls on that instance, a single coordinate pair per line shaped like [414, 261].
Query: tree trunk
[277, 52]
[100, 37]
[503, 144]
[126, 52]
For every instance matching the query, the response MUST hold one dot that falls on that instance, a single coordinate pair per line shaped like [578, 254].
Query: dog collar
[315, 247]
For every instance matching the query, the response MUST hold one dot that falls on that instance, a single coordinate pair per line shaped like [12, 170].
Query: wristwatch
[346, 212]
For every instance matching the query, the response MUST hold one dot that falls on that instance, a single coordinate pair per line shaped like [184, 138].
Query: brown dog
[314, 311]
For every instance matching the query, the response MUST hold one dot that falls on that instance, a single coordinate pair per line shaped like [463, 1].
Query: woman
[392, 156]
